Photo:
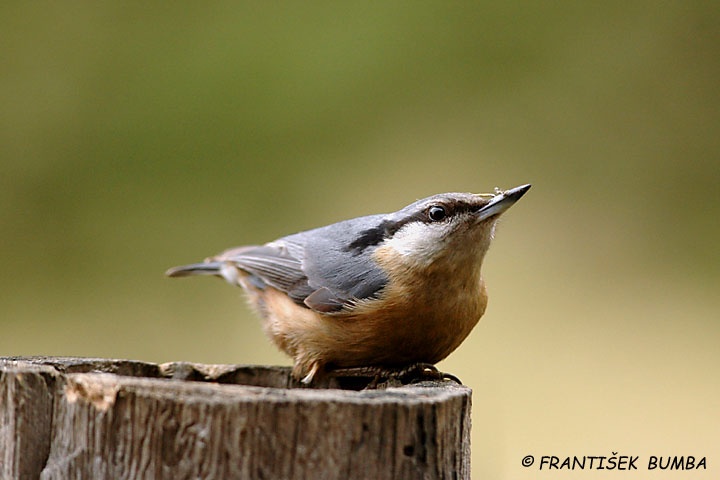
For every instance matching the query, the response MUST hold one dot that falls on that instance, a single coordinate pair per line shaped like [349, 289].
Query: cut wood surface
[79, 418]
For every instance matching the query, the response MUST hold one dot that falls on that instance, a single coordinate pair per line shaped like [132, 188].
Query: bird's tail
[204, 268]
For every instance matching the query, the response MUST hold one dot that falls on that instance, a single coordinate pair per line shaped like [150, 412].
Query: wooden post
[63, 418]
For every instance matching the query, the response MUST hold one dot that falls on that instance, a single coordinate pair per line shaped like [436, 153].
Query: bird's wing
[272, 265]
[320, 274]
[338, 275]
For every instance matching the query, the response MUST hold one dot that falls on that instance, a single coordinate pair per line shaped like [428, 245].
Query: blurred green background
[138, 136]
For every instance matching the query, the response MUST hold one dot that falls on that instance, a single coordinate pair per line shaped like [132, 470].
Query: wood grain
[69, 418]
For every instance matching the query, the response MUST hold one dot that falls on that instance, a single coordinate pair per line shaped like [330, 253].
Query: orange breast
[419, 317]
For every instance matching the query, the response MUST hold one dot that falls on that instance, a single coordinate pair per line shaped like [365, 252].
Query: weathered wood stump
[74, 418]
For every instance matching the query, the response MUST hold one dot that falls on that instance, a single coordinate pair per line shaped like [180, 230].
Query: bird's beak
[501, 202]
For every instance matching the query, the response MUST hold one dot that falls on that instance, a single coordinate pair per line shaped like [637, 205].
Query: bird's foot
[383, 377]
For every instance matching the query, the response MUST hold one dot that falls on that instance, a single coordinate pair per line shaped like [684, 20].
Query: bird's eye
[436, 213]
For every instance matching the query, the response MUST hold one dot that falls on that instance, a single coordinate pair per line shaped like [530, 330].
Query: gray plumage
[317, 268]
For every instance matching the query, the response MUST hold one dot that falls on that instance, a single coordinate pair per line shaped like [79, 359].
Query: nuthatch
[386, 291]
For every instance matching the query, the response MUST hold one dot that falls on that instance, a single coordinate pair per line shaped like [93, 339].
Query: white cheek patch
[419, 240]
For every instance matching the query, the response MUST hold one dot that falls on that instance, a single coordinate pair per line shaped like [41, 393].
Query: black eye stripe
[375, 235]
[432, 212]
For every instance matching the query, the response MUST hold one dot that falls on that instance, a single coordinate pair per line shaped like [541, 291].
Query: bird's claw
[383, 377]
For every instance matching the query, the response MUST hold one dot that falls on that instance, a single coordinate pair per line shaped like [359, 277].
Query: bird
[383, 291]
